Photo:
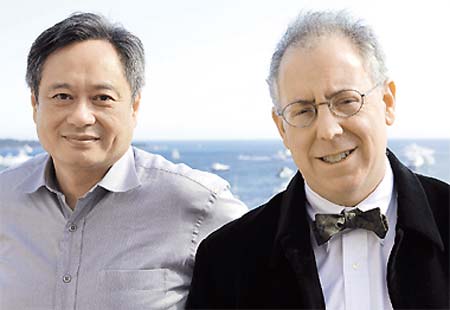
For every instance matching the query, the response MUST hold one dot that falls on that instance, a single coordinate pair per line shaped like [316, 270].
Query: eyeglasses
[344, 103]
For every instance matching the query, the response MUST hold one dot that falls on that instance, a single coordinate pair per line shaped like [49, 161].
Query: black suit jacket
[265, 259]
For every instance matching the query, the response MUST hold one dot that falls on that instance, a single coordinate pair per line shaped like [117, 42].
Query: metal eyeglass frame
[328, 103]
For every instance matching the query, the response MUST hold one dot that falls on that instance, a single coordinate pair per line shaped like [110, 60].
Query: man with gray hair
[95, 223]
[355, 229]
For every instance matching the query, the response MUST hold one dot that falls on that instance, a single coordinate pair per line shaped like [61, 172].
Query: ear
[278, 120]
[35, 106]
[389, 101]
[135, 107]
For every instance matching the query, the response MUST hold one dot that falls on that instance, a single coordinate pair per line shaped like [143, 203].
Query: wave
[11, 160]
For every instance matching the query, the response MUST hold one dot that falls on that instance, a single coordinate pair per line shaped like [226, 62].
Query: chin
[82, 159]
[84, 164]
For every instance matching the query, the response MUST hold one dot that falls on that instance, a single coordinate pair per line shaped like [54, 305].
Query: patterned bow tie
[327, 225]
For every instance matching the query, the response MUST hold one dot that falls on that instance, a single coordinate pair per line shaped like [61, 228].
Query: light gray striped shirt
[129, 244]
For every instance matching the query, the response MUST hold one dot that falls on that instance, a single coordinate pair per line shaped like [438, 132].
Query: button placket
[70, 251]
[356, 279]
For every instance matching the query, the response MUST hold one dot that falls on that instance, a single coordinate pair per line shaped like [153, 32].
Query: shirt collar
[379, 198]
[121, 177]
[38, 173]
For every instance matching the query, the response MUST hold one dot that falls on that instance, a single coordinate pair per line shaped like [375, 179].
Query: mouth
[81, 139]
[336, 158]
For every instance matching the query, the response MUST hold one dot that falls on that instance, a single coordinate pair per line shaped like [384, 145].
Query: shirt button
[72, 227]
[67, 278]
[355, 266]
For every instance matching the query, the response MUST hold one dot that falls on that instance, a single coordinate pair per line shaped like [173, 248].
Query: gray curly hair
[310, 25]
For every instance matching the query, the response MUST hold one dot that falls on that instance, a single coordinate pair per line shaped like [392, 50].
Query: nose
[81, 115]
[327, 125]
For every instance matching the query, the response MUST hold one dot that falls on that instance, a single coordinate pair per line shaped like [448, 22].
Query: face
[84, 114]
[341, 159]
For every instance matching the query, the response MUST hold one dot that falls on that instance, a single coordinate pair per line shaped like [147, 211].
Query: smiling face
[84, 114]
[342, 159]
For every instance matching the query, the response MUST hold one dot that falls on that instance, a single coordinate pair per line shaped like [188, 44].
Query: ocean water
[256, 170]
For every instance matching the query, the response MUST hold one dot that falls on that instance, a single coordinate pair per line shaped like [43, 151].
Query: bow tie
[327, 225]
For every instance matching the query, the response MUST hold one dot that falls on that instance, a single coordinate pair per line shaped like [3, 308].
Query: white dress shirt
[129, 243]
[352, 265]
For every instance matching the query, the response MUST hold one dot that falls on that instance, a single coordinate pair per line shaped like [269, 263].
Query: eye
[300, 110]
[103, 98]
[348, 100]
[303, 111]
[347, 97]
[62, 97]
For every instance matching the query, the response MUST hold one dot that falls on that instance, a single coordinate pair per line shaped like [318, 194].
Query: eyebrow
[107, 86]
[101, 86]
[59, 86]
[304, 101]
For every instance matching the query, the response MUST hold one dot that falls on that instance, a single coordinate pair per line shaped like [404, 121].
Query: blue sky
[207, 61]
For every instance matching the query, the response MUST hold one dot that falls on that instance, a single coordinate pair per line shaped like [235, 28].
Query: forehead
[327, 64]
[89, 61]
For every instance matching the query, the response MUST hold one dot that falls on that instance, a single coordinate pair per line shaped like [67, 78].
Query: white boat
[28, 149]
[283, 154]
[285, 173]
[175, 154]
[253, 157]
[417, 156]
[219, 167]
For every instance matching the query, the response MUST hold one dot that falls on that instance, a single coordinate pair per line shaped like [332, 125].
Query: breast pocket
[133, 289]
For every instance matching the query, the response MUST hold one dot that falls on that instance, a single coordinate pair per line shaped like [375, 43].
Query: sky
[207, 61]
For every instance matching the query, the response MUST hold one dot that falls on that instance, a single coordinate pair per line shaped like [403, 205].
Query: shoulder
[199, 196]
[438, 196]
[434, 187]
[190, 196]
[152, 166]
[409, 183]
[254, 229]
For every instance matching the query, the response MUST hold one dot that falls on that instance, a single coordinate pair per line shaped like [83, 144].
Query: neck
[75, 182]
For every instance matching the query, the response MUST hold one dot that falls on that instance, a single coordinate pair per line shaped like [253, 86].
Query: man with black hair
[95, 223]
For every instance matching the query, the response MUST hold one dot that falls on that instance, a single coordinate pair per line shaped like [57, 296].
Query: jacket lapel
[414, 211]
[414, 267]
[415, 276]
[293, 242]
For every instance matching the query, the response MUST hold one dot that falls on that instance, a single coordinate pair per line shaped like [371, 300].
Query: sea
[255, 169]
